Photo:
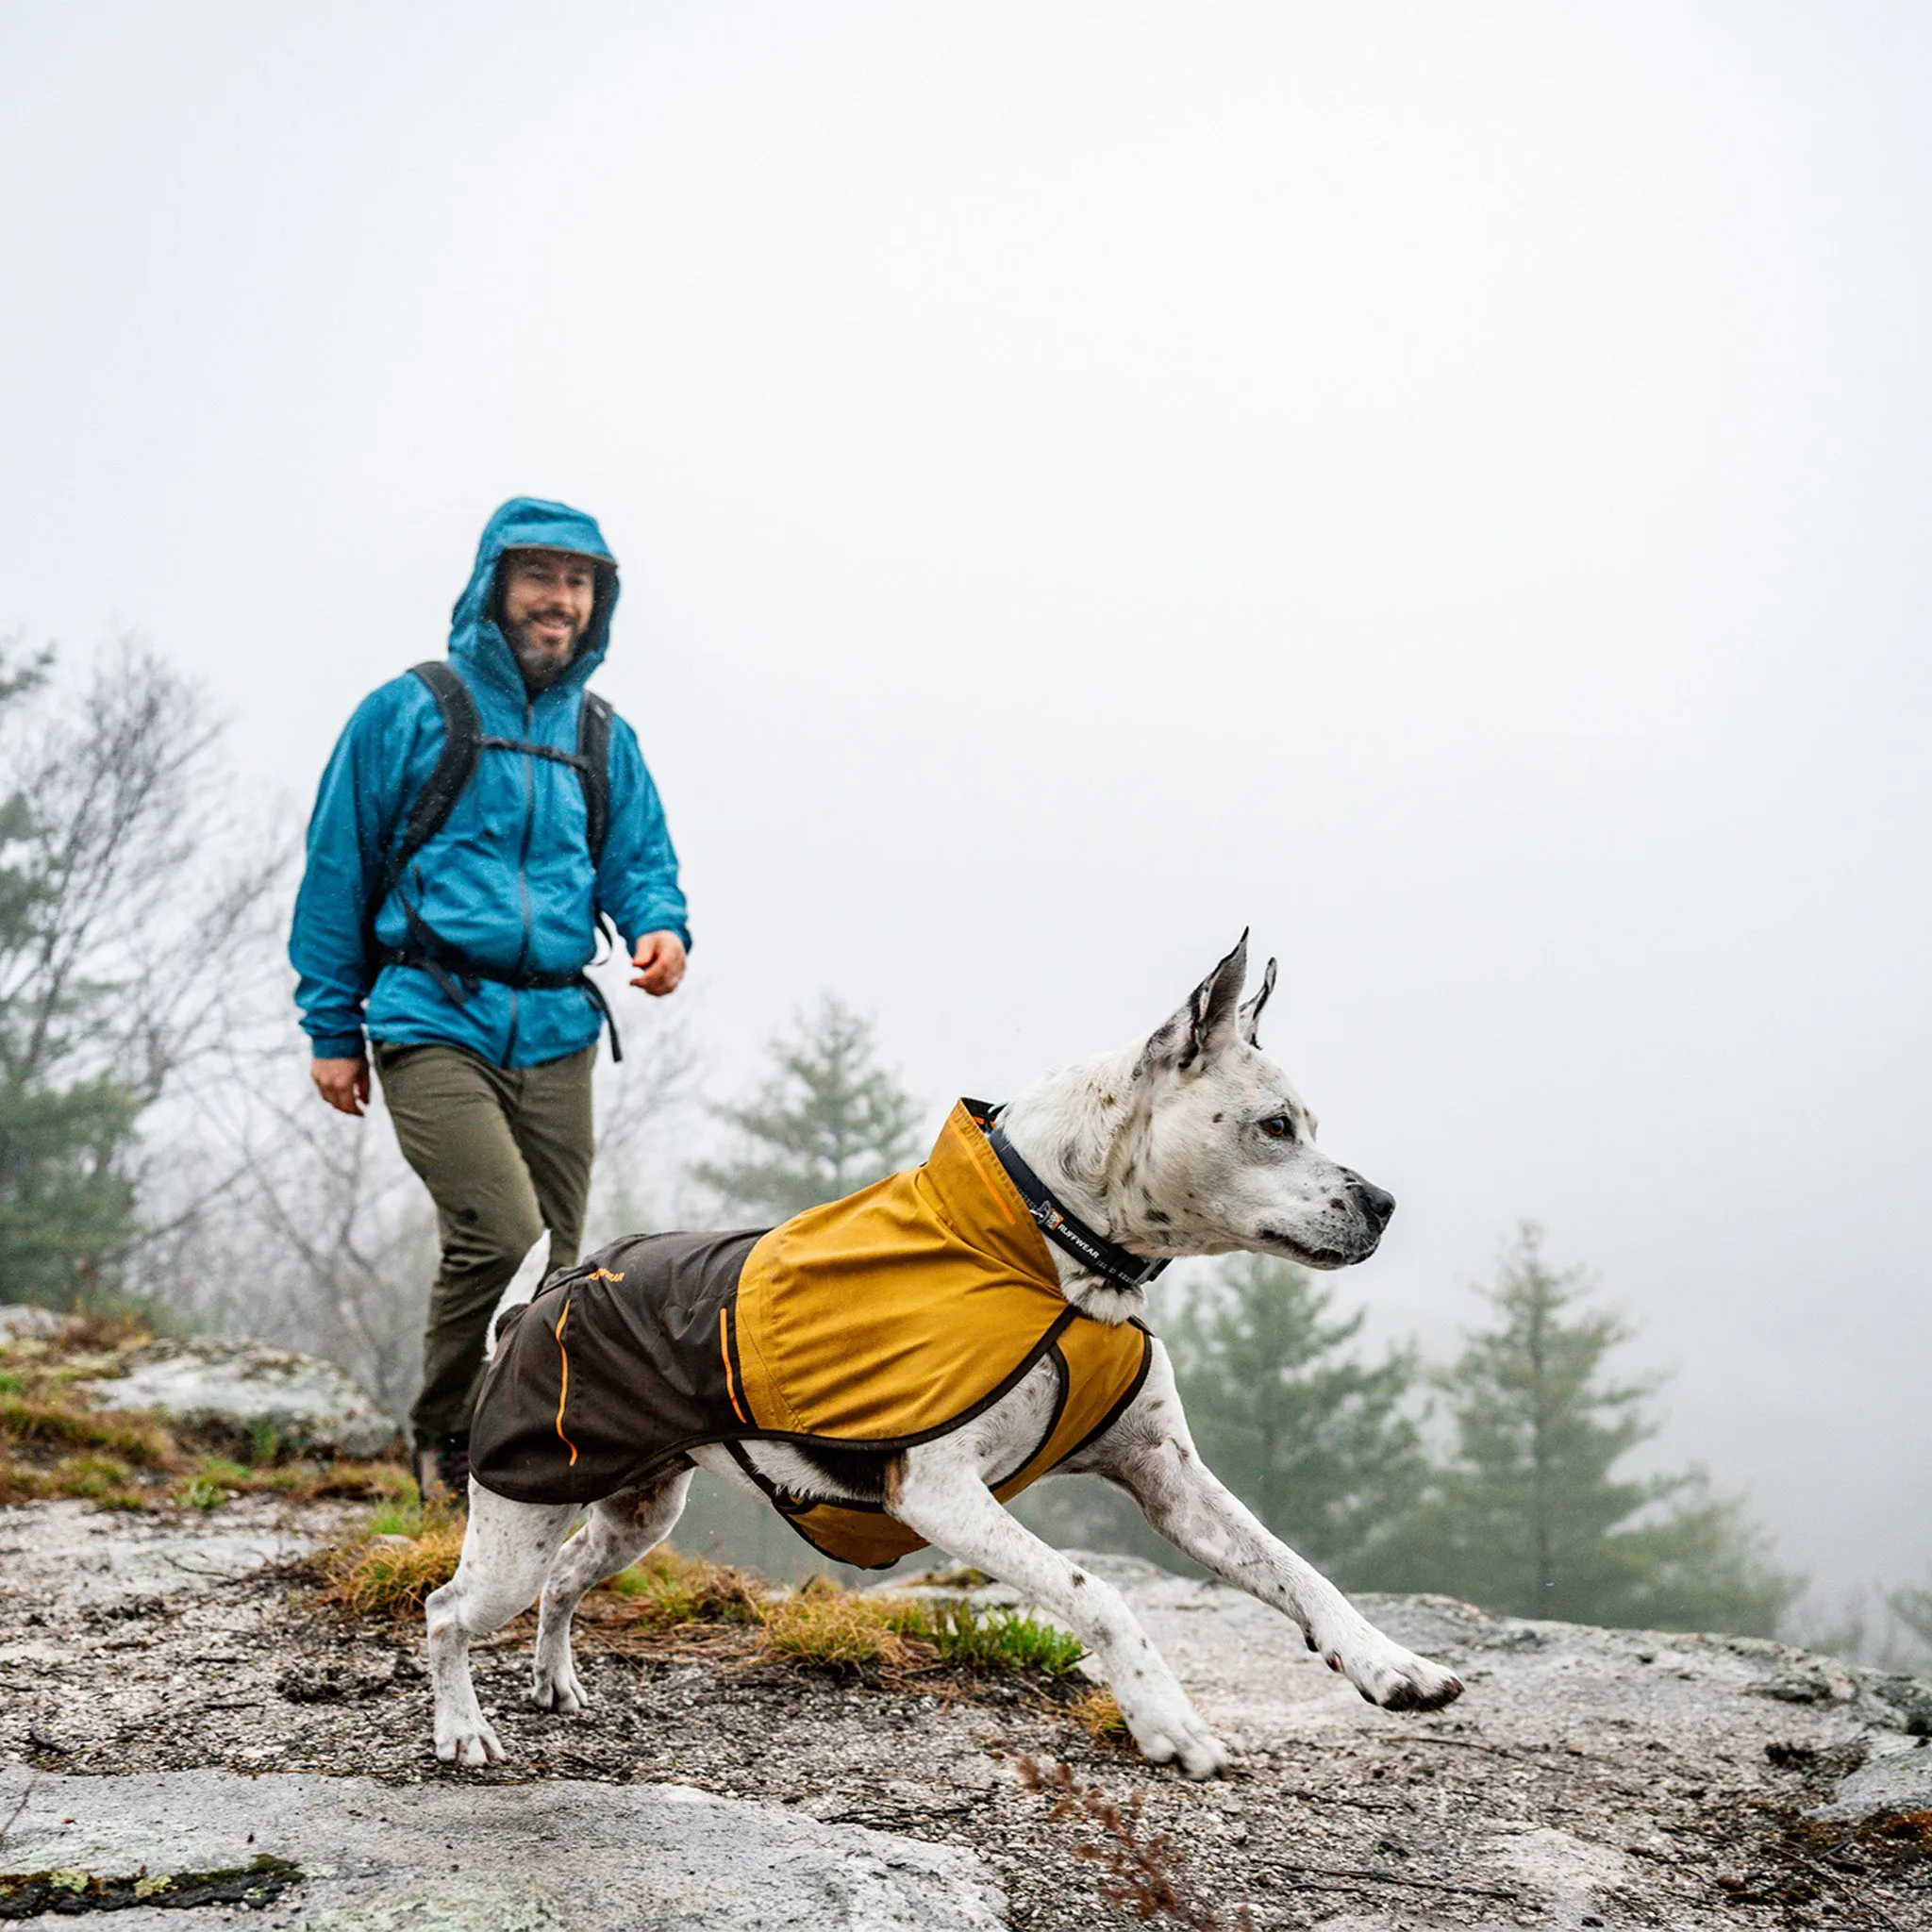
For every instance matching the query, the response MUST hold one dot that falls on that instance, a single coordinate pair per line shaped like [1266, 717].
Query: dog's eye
[1277, 1127]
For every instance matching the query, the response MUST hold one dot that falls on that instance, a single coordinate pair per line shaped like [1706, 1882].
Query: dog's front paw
[559, 1689]
[469, 1742]
[1395, 1678]
[1169, 1730]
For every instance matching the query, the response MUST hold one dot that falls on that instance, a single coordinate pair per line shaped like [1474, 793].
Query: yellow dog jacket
[874, 1323]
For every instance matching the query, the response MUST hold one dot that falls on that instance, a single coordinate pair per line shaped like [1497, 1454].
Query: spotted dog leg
[1150, 1453]
[507, 1553]
[621, 1530]
[945, 1501]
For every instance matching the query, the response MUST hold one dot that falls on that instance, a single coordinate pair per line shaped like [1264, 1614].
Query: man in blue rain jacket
[460, 953]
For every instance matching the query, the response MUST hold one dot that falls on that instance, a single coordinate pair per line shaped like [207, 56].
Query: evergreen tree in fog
[1530, 1517]
[66, 1201]
[827, 1121]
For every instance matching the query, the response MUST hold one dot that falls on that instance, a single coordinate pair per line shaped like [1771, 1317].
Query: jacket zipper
[523, 872]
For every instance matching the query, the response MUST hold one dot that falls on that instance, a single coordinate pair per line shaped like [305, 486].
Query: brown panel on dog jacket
[874, 1323]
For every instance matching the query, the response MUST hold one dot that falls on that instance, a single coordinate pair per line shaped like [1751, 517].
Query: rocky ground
[154, 1670]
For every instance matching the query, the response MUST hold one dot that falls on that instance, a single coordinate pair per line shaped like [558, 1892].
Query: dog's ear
[1251, 1009]
[1206, 1024]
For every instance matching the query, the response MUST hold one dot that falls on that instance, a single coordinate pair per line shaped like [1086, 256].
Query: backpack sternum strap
[463, 743]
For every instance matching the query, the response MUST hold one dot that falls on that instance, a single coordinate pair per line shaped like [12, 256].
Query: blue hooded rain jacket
[508, 881]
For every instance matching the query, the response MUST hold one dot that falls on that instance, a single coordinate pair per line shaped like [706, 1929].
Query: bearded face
[545, 599]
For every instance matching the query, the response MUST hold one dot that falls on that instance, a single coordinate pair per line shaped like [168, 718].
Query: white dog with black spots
[1188, 1142]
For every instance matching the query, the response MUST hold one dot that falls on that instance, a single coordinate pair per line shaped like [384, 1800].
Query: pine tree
[1531, 1517]
[827, 1121]
[1318, 1443]
[66, 1200]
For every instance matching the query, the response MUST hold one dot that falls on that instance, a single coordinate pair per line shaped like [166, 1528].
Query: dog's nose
[1377, 1206]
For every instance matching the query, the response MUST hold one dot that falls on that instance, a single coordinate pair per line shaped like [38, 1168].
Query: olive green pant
[505, 1153]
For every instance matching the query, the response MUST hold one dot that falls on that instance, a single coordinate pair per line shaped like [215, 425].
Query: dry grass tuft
[138, 1439]
[840, 1629]
[1100, 1717]
[217, 1478]
[374, 1482]
[88, 1333]
[667, 1590]
[18, 1483]
[833, 1629]
[92, 1477]
[103, 1479]
[391, 1572]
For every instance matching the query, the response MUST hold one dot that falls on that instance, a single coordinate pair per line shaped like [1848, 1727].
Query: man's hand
[344, 1083]
[659, 959]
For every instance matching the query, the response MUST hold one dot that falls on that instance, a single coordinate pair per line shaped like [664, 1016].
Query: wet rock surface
[1586, 1778]
[248, 1389]
[84, 1555]
[588, 1857]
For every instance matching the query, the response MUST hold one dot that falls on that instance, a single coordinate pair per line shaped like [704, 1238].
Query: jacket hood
[528, 522]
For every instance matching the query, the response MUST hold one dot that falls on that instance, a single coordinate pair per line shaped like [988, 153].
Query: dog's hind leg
[506, 1550]
[622, 1527]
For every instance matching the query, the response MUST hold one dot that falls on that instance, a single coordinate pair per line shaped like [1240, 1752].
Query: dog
[1189, 1143]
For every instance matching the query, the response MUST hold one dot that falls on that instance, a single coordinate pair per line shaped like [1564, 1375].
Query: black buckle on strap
[462, 979]
[1059, 1223]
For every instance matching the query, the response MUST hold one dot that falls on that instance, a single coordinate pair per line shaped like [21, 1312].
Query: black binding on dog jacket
[875, 1323]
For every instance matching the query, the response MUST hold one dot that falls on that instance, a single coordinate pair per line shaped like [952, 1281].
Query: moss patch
[22, 1894]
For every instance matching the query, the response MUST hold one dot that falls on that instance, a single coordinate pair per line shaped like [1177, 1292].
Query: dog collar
[1059, 1223]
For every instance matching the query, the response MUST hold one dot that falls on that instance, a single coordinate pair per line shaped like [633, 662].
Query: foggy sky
[1442, 485]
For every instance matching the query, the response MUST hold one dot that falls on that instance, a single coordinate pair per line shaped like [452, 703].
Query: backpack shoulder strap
[462, 739]
[594, 768]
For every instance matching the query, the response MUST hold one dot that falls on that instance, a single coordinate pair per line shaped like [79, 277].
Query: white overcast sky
[1445, 486]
